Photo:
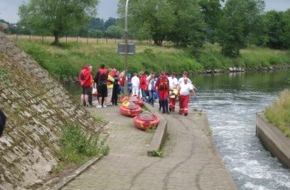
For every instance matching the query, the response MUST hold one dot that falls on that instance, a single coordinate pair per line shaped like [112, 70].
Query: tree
[96, 33]
[178, 21]
[151, 17]
[276, 27]
[96, 23]
[56, 16]
[110, 22]
[212, 12]
[238, 23]
[189, 26]
[114, 32]
[286, 35]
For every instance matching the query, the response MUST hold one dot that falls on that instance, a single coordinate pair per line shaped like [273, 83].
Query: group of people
[105, 82]
[109, 83]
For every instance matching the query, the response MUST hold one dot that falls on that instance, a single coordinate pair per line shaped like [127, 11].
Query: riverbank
[273, 139]
[189, 158]
[65, 63]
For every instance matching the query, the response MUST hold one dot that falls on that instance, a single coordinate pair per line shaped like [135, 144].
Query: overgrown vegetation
[65, 63]
[279, 112]
[77, 146]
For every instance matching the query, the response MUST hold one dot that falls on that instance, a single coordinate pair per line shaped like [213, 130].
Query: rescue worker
[162, 86]
[101, 80]
[173, 83]
[85, 81]
[184, 90]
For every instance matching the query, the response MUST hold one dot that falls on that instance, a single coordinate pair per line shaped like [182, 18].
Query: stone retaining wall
[273, 139]
[36, 106]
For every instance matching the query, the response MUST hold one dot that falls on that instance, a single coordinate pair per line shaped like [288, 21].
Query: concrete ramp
[189, 159]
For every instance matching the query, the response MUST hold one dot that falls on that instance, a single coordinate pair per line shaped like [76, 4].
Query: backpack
[82, 76]
[103, 77]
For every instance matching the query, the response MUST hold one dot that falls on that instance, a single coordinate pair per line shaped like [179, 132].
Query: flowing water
[231, 103]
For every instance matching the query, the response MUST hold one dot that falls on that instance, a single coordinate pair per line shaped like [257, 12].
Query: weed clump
[77, 146]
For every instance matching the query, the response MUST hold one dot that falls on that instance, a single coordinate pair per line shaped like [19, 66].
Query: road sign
[122, 48]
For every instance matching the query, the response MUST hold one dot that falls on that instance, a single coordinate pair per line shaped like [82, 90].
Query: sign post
[126, 48]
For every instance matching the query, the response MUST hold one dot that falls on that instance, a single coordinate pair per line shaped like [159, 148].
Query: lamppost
[126, 48]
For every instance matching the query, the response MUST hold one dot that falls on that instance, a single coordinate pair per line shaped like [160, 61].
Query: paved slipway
[189, 157]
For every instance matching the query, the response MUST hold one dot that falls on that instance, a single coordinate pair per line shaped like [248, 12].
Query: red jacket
[143, 82]
[86, 79]
[122, 80]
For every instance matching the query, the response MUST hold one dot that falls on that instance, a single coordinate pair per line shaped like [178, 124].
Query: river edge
[273, 139]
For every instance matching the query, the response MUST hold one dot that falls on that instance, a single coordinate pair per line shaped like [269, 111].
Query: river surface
[231, 102]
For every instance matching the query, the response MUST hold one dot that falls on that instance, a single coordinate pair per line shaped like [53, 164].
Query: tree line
[233, 24]
[96, 28]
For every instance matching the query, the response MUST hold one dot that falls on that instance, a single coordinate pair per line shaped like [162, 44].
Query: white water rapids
[231, 114]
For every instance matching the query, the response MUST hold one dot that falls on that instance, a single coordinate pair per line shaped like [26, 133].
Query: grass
[77, 146]
[65, 63]
[279, 112]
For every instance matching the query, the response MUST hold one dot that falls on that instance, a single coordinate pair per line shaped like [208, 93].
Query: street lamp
[126, 48]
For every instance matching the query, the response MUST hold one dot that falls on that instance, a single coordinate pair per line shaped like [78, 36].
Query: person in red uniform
[85, 80]
[184, 90]
[162, 86]
[143, 86]
[122, 82]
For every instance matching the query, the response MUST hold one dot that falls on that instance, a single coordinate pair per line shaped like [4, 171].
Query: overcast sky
[9, 9]
[108, 8]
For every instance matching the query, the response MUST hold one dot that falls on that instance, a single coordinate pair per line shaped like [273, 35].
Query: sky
[108, 8]
[9, 9]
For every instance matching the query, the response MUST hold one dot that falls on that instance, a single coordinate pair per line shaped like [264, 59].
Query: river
[231, 102]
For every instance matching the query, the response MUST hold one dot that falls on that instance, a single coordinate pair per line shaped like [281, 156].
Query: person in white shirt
[184, 75]
[184, 90]
[151, 80]
[135, 85]
[173, 83]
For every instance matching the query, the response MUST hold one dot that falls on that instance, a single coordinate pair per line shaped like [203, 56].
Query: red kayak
[130, 109]
[136, 99]
[146, 121]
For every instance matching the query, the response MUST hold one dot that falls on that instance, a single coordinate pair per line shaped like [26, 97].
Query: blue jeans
[151, 97]
[144, 94]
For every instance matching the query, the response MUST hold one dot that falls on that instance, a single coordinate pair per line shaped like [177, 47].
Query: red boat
[130, 109]
[146, 121]
[136, 99]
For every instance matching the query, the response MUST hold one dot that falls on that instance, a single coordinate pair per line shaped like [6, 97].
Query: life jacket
[143, 82]
[163, 84]
[109, 82]
[122, 80]
[103, 75]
